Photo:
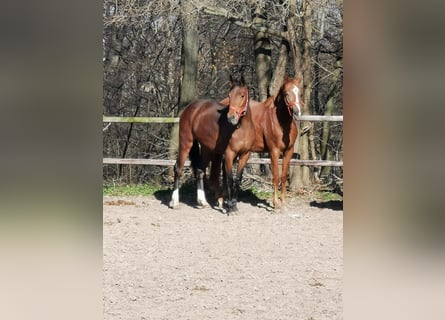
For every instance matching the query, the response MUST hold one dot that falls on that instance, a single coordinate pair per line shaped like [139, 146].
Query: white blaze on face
[297, 100]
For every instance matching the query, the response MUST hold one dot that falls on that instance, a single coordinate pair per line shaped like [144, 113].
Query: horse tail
[195, 156]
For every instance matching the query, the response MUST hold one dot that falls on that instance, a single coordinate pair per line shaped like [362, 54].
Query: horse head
[238, 100]
[292, 92]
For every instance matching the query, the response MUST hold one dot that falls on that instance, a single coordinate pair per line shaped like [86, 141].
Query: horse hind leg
[284, 171]
[174, 202]
[201, 198]
[215, 186]
[179, 165]
[199, 163]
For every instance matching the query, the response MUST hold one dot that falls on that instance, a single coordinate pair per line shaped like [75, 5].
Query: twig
[104, 129]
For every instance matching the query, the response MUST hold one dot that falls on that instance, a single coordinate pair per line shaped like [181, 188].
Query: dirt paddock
[195, 263]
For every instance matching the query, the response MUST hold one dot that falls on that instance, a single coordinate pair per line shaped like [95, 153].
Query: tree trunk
[317, 108]
[262, 50]
[324, 150]
[280, 69]
[307, 81]
[189, 67]
[300, 175]
[189, 60]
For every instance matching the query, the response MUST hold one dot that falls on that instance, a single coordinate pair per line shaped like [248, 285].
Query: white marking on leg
[175, 199]
[202, 198]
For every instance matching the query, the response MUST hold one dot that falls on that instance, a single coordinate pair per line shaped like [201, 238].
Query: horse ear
[299, 78]
[243, 82]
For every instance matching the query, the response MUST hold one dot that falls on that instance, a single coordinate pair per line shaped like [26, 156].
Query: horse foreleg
[242, 161]
[228, 166]
[215, 173]
[224, 185]
[284, 170]
[275, 178]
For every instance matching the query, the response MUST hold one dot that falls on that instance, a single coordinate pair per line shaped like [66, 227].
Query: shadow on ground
[336, 205]
[187, 196]
[247, 196]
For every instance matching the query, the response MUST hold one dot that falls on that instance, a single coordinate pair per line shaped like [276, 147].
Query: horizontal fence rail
[141, 119]
[165, 162]
[176, 120]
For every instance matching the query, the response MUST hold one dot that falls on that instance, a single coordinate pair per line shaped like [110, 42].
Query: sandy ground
[192, 263]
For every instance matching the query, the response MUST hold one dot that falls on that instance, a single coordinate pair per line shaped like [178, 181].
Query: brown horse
[276, 130]
[209, 130]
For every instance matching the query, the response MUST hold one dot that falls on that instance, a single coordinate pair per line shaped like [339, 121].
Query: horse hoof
[202, 205]
[233, 210]
[173, 205]
[220, 209]
[220, 202]
[276, 207]
[280, 210]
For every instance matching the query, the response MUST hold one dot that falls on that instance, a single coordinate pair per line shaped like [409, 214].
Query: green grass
[131, 190]
[260, 194]
[186, 188]
[328, 196]
[190, 188]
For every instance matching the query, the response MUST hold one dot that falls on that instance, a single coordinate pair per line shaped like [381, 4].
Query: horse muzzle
[296, 110]
[233, 119]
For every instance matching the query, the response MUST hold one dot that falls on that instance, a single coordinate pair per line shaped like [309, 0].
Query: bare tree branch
[221, 12]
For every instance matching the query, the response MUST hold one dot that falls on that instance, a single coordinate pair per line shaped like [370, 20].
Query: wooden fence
[165, 162]
[176, 120]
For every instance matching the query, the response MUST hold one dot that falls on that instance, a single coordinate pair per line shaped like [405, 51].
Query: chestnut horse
[209, 130]
[276, 130]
